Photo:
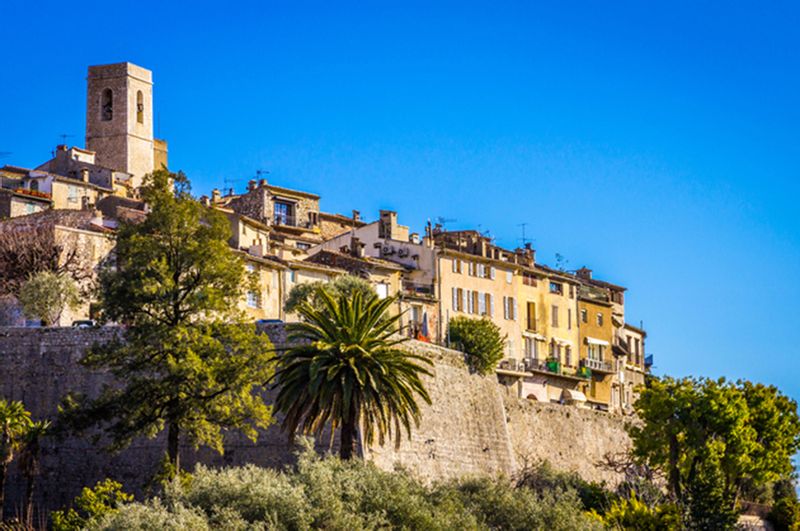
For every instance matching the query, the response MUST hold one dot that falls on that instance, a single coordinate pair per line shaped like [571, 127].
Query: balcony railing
[597, 365]
[418, 288]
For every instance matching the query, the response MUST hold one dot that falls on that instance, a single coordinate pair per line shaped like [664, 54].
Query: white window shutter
[491, 305]
[491, 272]
[455, 299]
[516, 309]
[481, 303]
[463, 300]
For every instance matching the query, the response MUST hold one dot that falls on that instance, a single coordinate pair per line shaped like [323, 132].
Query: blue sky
[657, 144]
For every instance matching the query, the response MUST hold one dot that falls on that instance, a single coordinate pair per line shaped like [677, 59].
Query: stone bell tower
[119, 118]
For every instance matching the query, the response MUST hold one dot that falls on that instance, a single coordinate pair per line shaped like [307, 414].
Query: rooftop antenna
[524, 240]
[64, 137]
[444, 221]
[227, 183]
[259, 173]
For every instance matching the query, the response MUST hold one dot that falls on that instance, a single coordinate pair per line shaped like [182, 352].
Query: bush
[480, 340]
[342, 285]
[103, 499]
[632, 513]
[542, 478]
[785, 513]
[327, 493]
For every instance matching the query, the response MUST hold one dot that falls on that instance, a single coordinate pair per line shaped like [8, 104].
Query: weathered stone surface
[472, 427]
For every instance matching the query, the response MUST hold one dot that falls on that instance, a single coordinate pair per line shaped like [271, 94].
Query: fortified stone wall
[470, 428]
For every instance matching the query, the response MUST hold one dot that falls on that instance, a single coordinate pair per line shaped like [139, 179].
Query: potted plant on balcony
[584, 371]
[553, 365]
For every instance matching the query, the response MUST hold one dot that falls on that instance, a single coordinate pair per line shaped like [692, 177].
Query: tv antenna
[441, 220]
[64, 137]
[261, 173]
[524, 240]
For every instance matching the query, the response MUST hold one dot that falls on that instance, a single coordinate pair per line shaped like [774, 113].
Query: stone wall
[472, 427]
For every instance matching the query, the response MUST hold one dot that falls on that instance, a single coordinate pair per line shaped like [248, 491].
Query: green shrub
[341, 285]
[328, 493]
[480, 340]
[102, 499]
[785, 513]
[632, 513]
[543, 478]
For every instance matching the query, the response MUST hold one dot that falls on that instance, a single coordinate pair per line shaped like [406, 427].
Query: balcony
[597, 365]
[415, 288]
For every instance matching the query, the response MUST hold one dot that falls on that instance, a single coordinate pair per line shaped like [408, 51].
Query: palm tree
[347, 370]
[14, 422]
[30, 452]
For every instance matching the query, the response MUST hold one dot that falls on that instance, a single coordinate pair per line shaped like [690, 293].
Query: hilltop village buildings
[568, 339]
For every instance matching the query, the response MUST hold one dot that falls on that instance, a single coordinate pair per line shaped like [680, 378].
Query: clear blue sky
[656, 144]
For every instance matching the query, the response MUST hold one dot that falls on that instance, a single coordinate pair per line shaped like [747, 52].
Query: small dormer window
[140, 107]
[107, 105]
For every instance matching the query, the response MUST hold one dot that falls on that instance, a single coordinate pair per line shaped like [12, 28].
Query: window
[284, 213]
[491, 272]
[471, 269]
[528, 279]
[382, 290]
[34, 185]
[509, 277]
[458, 304]
[107, 105]
[72, 194]
[531, 348]
[510, 308]
[292, 276]
[489, 305]
[636, 350]
[554, 316]
[303, 245]
[532, 316]
[456, 265]
[595, 352]
[250, 268]
[557, 288]
[416, 314]
[253, 299]
[30, 208]
[584, 315]
[599, 319]
[139, 107]
[469, 302]
[569, 318]
[571, 291]
[313, 219]
[568, 356]
[481, 303]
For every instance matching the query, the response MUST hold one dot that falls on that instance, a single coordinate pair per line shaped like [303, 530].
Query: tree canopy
[480, 340]
[46, 295]
[188, 361]
[347, 285]
[713, 439]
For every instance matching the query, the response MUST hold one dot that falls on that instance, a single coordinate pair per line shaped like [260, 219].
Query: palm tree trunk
[348, 436]
[27, 514]
[173, 446]
[3, 470]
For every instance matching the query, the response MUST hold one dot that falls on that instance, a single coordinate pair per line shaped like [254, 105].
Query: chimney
[414, 238]
[215, 195]
[85, 175]
[61, 147]
[251, 185]
[262, 183]
[584, 273]
[357, 248]
[205, 201]
[356, 215]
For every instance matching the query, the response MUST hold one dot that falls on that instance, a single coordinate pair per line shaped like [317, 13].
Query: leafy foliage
[328, 493]
[542, 478]
[188, 361]
[308, 292]
[46, 295]
[15, 421]
[480, 340]
[632, 513]
[785, 513]
[93, 503]
[712, 439]
[349, 371]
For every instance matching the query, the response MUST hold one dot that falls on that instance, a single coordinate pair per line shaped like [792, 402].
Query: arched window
[107, 105]
[140, 107]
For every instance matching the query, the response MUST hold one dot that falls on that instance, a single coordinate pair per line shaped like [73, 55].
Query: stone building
[119, 120]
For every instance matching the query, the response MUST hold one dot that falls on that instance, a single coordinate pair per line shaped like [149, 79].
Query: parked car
[84, 323]
[269, 321]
